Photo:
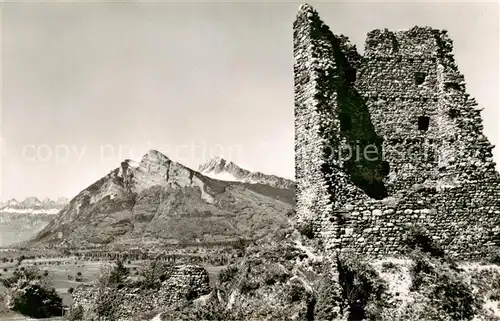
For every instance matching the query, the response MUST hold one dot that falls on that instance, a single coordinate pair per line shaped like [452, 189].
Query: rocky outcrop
[158, 200]
[219, 168]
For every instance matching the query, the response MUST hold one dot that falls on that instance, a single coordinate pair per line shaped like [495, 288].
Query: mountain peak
[221, 169]
[31, 201]
[153, 154]
[216, 164]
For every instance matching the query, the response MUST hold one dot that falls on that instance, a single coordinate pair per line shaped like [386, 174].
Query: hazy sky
[86, 85]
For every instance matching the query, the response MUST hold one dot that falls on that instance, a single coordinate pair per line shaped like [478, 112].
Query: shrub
[107, 303]
[28, 274]
[248, 285]
[328, 299]
[296, 292]
[79, 274]
[389, 266]
[106, 299]
[491, 255]
[30, 293]
[211, 310]
[487, 283]
[118, 274]
[362, 289]
[155, 273]
[495, 258]
[20, 259]
[102, 279]
[445, 287]
[275, 274]
[228, 273]
[306, 229]
[417, 238]
[420, 309]
[33, 300]
[241, 246]
[71, 290]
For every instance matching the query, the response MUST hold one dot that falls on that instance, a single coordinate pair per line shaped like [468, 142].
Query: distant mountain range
[33, 205]
[219, 168]
[21, 221]
[159, 200]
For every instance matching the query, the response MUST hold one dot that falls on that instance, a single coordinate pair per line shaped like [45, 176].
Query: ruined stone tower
[389, 139]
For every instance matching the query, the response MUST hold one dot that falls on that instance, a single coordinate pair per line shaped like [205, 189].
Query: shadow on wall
[365, 166]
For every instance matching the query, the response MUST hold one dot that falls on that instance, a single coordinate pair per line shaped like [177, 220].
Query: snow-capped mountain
[221, 169]
[33, 205]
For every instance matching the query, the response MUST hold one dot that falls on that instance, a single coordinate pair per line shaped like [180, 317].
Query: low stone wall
[186, 282]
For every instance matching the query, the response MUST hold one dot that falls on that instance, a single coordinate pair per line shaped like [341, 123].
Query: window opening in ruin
[453, 113]
[350, 74]
[419, 78]
[386, 169]
[452, 85]
[423, 123]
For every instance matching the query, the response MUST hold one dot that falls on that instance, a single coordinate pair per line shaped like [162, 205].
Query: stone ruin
[388, 140]
[186, 282]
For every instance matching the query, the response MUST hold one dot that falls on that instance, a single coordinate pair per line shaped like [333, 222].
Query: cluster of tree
[30, 292]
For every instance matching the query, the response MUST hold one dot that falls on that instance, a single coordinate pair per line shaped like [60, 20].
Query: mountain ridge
[22, 220]
[222, 169]
[159, 200]
[32, 205]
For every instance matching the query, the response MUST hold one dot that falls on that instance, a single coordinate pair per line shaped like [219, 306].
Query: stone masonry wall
[406, 97]
[185, 280]
[464, 220]
[317, 130]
